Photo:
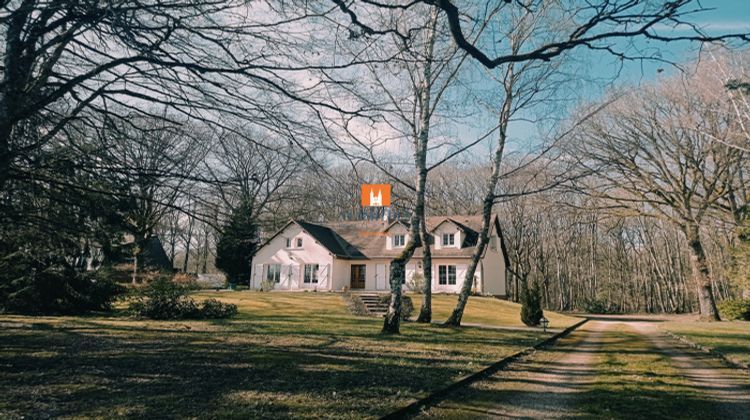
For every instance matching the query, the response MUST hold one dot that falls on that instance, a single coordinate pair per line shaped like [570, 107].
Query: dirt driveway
[612, 367]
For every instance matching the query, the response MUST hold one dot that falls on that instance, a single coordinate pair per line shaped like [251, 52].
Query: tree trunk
[392, 320]
[701, 274]
[135, 268]
[425, 312]
[487, 202]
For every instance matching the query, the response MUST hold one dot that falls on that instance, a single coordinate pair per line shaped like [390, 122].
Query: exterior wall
[493, 265]
[292, 261]
[374, 276]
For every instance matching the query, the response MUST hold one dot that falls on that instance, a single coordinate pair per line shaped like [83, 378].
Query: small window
[299, 242]
[311, 273]
[273, 273]
[288, 242]
[399, 240]
[449, 239]
[447, 274]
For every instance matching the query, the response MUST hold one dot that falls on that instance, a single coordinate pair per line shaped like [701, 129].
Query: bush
[48, 285]
[267, 285]
[735, 309]
[531, 304]
[164, 299]
[215, 309]
[596, 306]
[416, 283]
[407, 306]
[190, 281]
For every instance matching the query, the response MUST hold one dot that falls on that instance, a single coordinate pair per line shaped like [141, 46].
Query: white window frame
[449, 239]
[288, 242]
[446, 275]
[275, 274]
[310, 274]
[399, 240]
[299, 242]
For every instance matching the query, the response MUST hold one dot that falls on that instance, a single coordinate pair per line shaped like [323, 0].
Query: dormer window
[299, 242]
[399, 240]
[449, 239]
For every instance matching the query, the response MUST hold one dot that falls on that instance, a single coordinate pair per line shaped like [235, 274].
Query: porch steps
[372, 303]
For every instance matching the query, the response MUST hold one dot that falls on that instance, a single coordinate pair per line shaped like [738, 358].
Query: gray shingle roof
[364, 239]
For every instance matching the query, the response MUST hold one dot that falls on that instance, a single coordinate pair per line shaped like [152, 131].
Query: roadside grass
[487, 311]
[285, 355]
[730, 338]
[625, 378]
[633, 380]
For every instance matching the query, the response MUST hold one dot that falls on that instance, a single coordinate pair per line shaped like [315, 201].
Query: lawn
[732, 339]
[488, 311]
[285, 355]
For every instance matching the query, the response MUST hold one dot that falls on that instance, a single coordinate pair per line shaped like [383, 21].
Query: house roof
[365, 239]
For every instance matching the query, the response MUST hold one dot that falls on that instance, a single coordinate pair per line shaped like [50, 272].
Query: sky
[599, 72]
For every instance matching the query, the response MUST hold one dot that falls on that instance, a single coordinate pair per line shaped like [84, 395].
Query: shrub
[267, 285]
[190, 281]
[596, 306]
[735, 309]
[165, 299]
[48, 284]
[416, 283]
[215, 309]
[407, 306]
[531, 304]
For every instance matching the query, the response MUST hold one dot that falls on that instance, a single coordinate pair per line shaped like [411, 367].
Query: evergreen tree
[531, 304]
[237, 244]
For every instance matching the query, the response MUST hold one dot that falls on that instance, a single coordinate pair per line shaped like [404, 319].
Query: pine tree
[237, 244]
[531, 304]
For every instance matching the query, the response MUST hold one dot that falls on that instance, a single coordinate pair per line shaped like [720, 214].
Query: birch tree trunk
[487, 202]
[391, 323]
[425, 312]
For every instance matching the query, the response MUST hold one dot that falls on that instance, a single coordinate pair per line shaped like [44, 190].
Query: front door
[358, 276]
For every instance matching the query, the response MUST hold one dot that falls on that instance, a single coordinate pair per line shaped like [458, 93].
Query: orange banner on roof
[376, 195]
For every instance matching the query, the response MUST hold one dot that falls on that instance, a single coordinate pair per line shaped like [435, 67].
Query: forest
[210, 124]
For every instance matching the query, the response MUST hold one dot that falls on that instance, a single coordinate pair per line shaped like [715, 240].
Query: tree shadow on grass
[245, 368]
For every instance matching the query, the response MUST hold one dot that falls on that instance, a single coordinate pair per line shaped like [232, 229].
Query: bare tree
[652, 155]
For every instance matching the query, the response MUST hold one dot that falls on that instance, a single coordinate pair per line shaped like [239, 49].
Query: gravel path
[728, 387]
[548, 383]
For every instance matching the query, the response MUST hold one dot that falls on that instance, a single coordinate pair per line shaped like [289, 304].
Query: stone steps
[373, 305]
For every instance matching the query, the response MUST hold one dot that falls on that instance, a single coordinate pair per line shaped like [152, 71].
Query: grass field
[731, 339]
[487, 311]
[285, 355]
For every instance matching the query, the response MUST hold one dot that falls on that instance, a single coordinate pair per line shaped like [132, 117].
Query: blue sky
[598, 72]
[725, 16]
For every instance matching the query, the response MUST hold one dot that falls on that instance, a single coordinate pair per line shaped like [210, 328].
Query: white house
[357, 255]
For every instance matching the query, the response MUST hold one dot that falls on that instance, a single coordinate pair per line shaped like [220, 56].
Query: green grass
[488, 311]
[285, 355]
[732, 339]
